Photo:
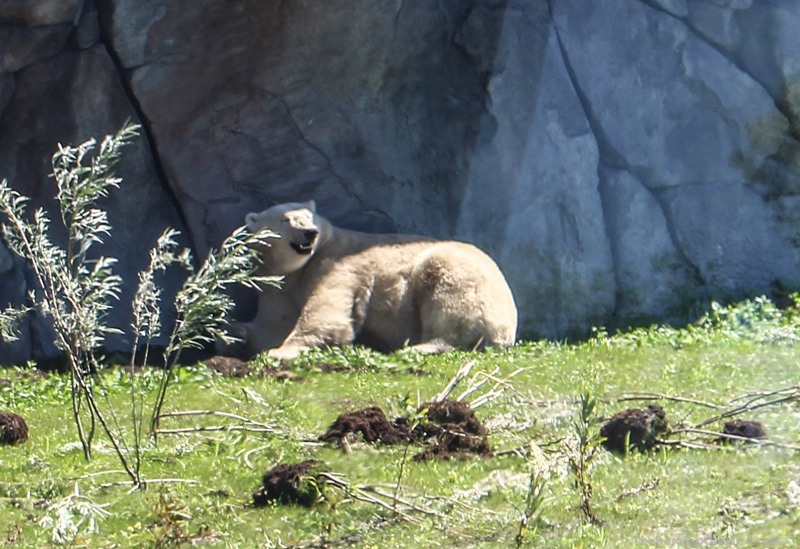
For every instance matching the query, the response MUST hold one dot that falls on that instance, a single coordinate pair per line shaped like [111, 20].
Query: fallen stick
[646, 395]
[763, 394]
[145, 482]
[475, 386]
[736, 437]
[187, 413]
[186, 430]
[747, 408]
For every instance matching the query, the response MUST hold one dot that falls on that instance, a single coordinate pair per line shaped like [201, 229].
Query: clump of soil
[455, 430]
[291, 483]
[454, 412]
[744, 428]
[451, 425]
[13, 428]
[634, 428]
[371, 423]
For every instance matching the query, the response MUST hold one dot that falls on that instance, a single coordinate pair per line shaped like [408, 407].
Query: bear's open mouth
[302, 249]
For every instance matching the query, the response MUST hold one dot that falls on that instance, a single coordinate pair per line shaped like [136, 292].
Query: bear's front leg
[331, 316]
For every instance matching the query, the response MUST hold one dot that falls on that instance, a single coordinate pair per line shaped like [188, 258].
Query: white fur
[385, 291]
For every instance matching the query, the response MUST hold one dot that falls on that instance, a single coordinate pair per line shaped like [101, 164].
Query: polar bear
[385, 291]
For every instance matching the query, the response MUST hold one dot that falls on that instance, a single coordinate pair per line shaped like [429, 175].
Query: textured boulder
[619, 159]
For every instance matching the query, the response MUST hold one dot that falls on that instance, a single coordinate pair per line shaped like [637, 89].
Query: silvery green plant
[202, 306]
[76, 289]
[73, 515]
[9, 320]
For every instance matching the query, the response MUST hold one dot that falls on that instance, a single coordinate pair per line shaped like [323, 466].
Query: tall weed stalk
[582, 455]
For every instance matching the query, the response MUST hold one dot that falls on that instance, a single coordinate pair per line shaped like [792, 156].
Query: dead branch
[475, 386]
[187, 430]
[646, 395]
[759, 441]
[764, 394]
[145, 482]
[249, 453]
[499, 387]
[646, 487]
[749, 407]
[462, 372]
[690, 445]
[187, 413]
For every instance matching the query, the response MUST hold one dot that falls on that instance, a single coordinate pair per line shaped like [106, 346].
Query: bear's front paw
[285, 353]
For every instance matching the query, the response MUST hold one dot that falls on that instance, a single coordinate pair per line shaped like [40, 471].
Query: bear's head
[298, 229]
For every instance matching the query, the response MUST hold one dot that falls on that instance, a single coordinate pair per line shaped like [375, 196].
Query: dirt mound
[454, 413]
[744, 428]
[371, 423]
[455, 431]
[450, 425]
[13, 428]
[290, 483]
[634, 429]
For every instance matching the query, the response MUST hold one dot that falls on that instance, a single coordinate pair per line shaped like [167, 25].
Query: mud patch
[13, 428]
[233, 367]
[328, 367]
[450, 428]
[291, 483]
[743, 428]
[228, 366]
[634, 428]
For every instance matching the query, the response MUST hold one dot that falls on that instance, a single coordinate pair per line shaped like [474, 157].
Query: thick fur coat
[384, 291]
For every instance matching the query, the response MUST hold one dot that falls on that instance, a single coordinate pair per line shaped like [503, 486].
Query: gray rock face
[619, 159]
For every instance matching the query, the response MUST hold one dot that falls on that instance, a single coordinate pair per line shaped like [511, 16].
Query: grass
[740, 495]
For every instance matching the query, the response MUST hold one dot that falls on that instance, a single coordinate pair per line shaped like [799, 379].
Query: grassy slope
[741, 496]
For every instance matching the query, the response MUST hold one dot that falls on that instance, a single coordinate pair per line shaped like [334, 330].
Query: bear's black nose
[311, 234]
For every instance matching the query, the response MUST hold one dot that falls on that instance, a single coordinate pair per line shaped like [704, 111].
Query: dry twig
[646, 487]
[759, 441]
[647, 395]
[753, 404]
[462, 372]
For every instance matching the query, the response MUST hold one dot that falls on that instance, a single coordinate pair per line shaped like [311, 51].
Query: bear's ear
[311, 205]
[251, 218]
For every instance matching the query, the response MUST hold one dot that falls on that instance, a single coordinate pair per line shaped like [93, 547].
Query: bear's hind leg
[463, 299]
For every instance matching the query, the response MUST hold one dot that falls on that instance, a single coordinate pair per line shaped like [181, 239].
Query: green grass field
[740, 495]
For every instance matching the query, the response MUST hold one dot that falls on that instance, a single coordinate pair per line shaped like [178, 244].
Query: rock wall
[619, 158]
